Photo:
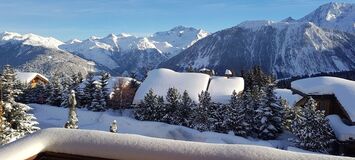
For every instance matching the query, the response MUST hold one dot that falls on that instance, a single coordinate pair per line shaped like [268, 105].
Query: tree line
[256, 112]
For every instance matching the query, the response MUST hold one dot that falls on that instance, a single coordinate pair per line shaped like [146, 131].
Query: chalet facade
[31, 79]
[335, 96]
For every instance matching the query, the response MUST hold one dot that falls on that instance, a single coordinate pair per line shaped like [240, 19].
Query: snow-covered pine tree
[73, 121]
[183, 112]
[55, 97]
[200, 114]
[311, 128]
[269, 115]
[67, 83]
[103, 84]
[98, 104]
[247, 120]
[173, 99]
[89, 91]
[147, 108]
[289, 115]
[235, 114]
[17, 122]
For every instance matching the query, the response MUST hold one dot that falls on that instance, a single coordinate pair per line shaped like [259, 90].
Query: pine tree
[311, 128]
[235, 118]
[183, 112]
[17, 122]
[201, 121]
[98, 104]
[73, 121]
[67, 84]
[55, 97]
[173, 99]
[269, 116]
[247, 119]
[103, 85]
[89, 91]
[147, 109]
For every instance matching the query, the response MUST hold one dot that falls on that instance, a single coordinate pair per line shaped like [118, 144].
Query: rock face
[286, 48]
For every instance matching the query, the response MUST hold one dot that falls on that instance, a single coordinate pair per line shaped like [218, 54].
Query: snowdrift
[221, 88]
[160, 80]
[134, 147]
[344, 90]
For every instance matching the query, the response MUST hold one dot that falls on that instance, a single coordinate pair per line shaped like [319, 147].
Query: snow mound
[221, 88]
[342, 131]
[132, 147]
[160, 80]
[342, 89]
[287, 95]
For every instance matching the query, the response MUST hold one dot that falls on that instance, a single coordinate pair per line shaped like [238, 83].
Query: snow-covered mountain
[124, 52]
[281, 48]
[322, 41]
[30, 52]
[337, 16]
[29, 39]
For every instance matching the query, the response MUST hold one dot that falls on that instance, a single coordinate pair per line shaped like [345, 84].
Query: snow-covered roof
[342, 131]
[228, 72]
[221, 88]
[132, 147]
[160, 80]
[27, 77]
[286, 94]
[204, 70]
[343, 90]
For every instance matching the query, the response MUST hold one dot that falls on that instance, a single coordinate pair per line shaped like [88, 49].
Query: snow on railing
[133, 147]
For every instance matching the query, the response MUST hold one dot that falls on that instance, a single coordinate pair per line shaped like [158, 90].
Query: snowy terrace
[343, 90]
[102, 144]
[160, 80]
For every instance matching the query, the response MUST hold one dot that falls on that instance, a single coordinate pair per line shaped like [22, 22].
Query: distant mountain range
[322, 41]
[118, 54]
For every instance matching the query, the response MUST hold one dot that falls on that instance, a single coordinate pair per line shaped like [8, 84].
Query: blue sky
[67, 19]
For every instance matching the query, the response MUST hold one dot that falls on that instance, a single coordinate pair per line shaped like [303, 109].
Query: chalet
[160, 80]
[31, 78]
[336, 97]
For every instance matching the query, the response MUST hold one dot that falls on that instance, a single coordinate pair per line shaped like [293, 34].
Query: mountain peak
[288, 19]
[335, 16]
[29, 39]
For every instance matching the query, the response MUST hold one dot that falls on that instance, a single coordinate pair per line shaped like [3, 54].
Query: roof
[129, 146]
[342, 131]
[221, 88]
[287, 95]
[342, 89]
[160, 80]
[27, 77]
[228, 72]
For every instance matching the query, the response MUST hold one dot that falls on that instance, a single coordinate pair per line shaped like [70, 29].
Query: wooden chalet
[31, 78]
[334, 96]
